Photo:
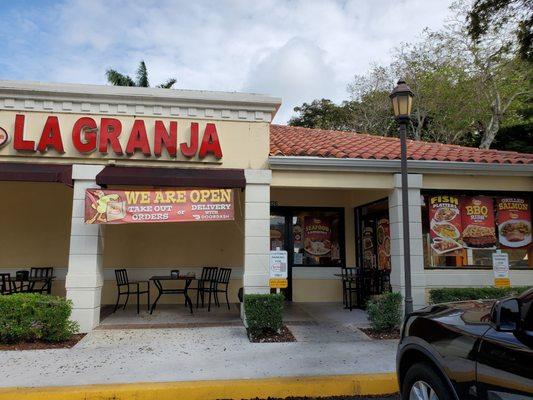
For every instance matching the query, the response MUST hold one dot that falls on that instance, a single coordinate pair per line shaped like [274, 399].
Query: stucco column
[418, 281]
[85, 275]
[257, 231]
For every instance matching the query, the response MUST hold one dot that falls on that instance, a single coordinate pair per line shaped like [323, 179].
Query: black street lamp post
[402, 101]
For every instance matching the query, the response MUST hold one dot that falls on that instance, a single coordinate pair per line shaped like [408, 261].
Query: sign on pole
[278, 269]
[500, 266]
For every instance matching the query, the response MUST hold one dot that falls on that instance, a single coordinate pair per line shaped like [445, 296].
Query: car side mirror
[505, 315]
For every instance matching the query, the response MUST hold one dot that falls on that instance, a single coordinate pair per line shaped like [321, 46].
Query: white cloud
[300, 49]
[296, 71]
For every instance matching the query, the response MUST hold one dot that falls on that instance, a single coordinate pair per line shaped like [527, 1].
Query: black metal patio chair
[124, 287]
[206, 285]
[7, 286]
[222, 284]
[349, 286]
[36, 285]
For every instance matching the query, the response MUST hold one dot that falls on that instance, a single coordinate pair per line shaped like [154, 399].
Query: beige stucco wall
[35, 228]
[244, 144]
[478, 182]
[330, 179]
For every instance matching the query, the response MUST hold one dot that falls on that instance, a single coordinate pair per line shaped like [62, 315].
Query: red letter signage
[162, 138]
[210, 142]
[190, 150]
[157, 139]
[51, 136]
[87, 126]
[138, 139]
[18, 138]
[110, 129]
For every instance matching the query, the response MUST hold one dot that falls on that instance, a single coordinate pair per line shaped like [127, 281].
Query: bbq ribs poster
[477, 219]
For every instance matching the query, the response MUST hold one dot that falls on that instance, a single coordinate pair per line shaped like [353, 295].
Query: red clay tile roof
[297, 141]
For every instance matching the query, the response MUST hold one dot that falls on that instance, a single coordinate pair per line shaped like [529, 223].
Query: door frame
[289, 212]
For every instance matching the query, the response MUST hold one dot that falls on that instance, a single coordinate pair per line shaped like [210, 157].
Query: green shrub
[446, 295]
[385, 312]
[26, 317]
[264, 313]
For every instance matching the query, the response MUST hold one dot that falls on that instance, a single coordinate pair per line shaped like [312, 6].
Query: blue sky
[296, 49]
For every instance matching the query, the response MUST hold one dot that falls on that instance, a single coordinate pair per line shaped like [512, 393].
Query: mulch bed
[381, 335]
[41, 345]
[284, 335]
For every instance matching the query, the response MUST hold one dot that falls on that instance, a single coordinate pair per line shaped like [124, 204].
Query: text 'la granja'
[87, 136]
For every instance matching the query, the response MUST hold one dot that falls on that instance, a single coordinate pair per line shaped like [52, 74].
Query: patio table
[31, 281]
[158, 279]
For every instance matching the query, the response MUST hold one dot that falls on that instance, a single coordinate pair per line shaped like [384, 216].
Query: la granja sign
[106, 136]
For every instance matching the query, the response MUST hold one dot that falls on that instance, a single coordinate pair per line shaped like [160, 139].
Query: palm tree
[117, 79]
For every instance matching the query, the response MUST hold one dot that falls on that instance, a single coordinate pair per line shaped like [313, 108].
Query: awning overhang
[35, 172]
[172, 177]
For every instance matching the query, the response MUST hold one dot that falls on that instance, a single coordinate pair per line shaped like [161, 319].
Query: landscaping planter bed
[381, 335]
[42, 345]
[284, 335]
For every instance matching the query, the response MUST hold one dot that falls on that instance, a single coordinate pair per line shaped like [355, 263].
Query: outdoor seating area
[213, 281]
[34, 280]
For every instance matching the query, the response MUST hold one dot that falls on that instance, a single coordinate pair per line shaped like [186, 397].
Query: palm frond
[142, 75]
[117, 79]
[168, 84]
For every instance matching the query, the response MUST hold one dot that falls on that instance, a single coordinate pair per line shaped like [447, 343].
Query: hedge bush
[446, 295]
[264, 313]
[385, 312]
[27, 317]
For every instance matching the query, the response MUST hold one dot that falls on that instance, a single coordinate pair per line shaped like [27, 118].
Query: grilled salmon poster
[477, 216]
[150, 206]
[445, 223]
[514, 222]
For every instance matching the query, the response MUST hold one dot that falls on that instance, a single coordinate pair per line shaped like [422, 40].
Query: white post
[85, 275]
[416, 242]
[257, 231]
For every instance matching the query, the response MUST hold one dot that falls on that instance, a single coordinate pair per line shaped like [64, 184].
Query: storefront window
[374, 235]
[463, 231]
[316, 238]
[315, 235]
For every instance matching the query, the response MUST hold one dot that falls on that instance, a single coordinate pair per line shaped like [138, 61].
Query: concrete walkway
[159, 355]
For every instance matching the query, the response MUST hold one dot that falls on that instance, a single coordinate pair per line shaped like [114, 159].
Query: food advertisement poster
[149, 206]
[514, 222]
[317, 234]
[477, 216]
[369, 259]
[445, 223]
[383, 233]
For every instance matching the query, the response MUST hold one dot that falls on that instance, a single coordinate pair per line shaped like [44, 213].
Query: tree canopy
[468, 91]
[118, 79]
[514, 16]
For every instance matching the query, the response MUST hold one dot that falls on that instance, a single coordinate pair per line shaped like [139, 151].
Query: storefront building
[236, 187]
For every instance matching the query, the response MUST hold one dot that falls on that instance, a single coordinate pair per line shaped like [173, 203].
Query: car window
[527, 315]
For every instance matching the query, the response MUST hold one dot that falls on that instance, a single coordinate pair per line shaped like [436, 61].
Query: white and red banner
[161, 205]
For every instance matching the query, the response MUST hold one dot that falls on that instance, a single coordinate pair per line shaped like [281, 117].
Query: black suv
[468, 350]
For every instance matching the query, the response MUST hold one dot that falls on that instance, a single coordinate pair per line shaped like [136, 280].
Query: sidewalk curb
[333, 385]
